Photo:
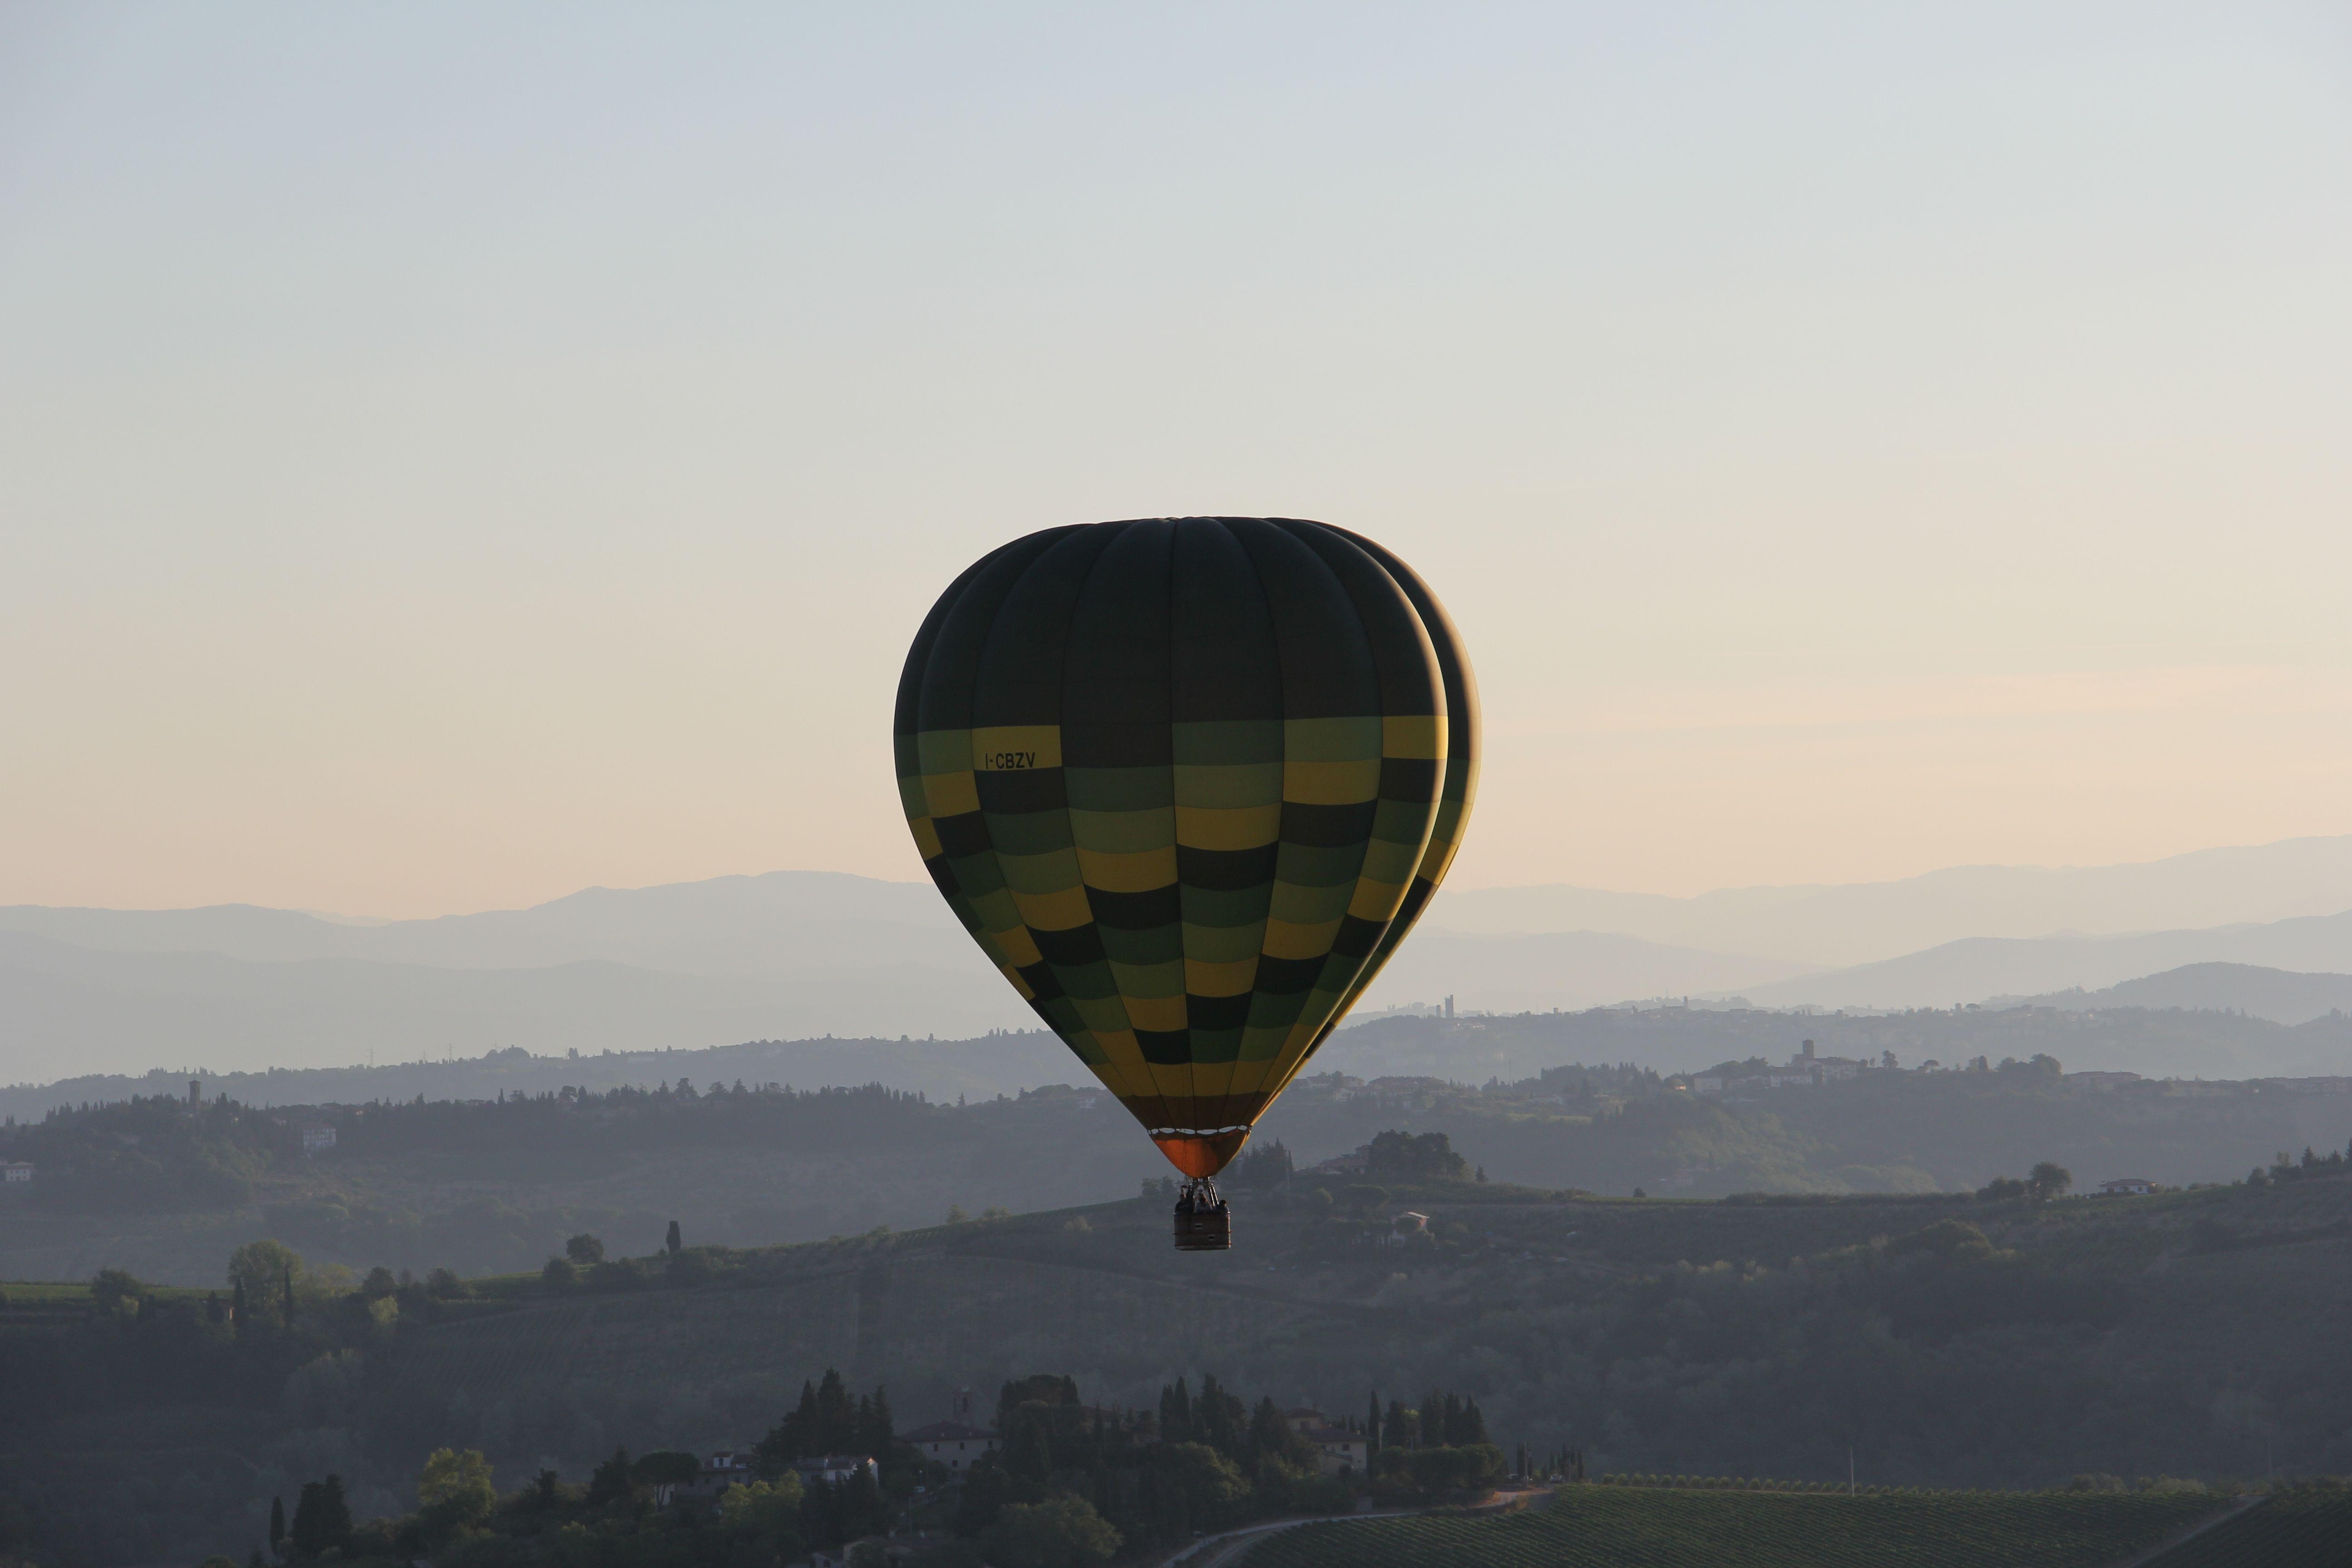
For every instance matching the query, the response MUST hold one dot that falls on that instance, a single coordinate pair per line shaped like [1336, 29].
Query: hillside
[1977, 968]
[1604, 1527]
[1864, 923]
[715, 1140]
[2083, 1031]
[108, 1010]
[2194, 1334]
[2280, 995]
[789, 953]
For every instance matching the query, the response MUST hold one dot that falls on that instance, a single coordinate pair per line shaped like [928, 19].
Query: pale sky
[451, 456]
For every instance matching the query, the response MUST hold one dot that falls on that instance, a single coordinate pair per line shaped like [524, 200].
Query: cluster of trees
[1408, 1157]
[1262, 1165]
[1578, 1082]
[1069, 1485]
[675, 1114]
[1443, 1421]
[2286, 1168]
[582, 1262]
[1438, 1450]
[2047, 1180]
[827, 1420]
[151, 1154]
[1071, 1482]
[631, 1514]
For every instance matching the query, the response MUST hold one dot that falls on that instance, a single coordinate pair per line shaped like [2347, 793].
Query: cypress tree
[1401, 1430]
[1027, 1456]
[808, 1425]
[1372, 1427]
[673, 1242]
[277, 1517]
[289, 1295]
[877, 1437]
[791, 1437]
[307, 1535]
[1218, 1418]
[1269, 1434]
[1175, 1414]
[836, 1417]
[236, 1316]
[334, 1512]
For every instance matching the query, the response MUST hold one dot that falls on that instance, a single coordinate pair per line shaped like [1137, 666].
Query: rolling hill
[1718, 1339]
[2283, 997]
[1982, 967]
[1869, 922]
[800, 953]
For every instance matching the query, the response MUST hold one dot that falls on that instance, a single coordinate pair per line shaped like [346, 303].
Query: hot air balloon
[1187, 781]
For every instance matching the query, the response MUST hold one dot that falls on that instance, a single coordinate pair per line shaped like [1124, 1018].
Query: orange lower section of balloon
[1199, 1154]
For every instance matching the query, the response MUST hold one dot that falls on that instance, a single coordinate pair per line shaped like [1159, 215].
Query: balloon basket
[1205, 1222]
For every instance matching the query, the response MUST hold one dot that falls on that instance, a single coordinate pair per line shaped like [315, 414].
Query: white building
[16, 1171]
[834, 1468]
[2127, 1186]
[1336, 1448]
[950, 1442]
[317, 1138]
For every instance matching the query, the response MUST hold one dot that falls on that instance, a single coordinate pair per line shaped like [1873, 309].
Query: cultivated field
[1626, 1527]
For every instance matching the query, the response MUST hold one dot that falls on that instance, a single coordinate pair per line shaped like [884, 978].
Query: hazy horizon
[366, 918]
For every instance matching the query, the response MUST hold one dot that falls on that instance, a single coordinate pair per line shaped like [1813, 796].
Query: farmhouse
[1338, 1450]
[720, 1471]
[2127, 1186]
[950, 1442]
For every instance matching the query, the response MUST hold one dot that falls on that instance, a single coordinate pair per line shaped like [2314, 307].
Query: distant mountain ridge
[1869, 922]
[694, 963]
[67, 1009]
[770, 923]
[2281, 996]
[1982, 967]
[799, 953]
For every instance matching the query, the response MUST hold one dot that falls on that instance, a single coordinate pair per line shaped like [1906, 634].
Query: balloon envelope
[1187, 781]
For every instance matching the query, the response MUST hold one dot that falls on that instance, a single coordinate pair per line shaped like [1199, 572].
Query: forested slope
[1946, 1341]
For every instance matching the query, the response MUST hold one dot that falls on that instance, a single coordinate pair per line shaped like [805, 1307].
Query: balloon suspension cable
[1204, 1221]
